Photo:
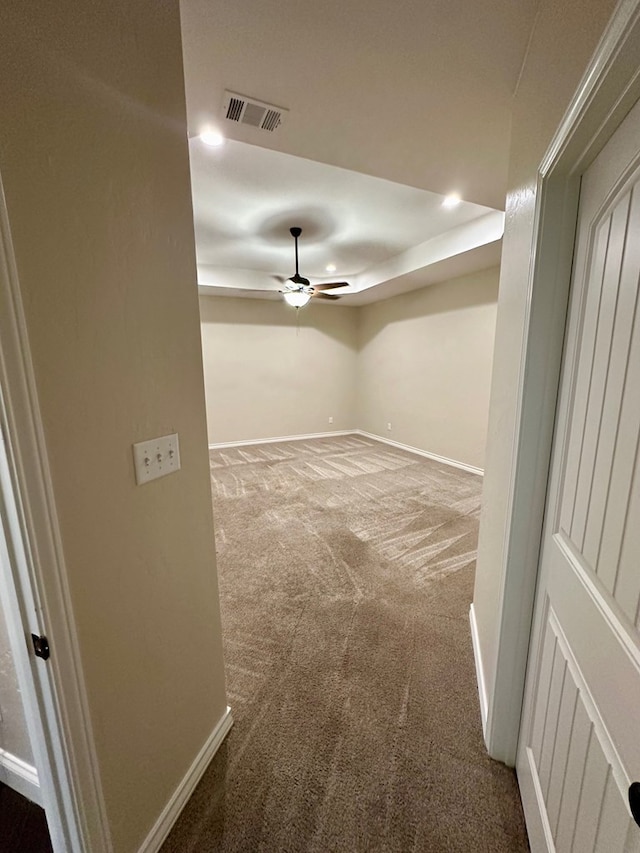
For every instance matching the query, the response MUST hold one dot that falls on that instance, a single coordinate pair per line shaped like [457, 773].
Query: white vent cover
[245, 110]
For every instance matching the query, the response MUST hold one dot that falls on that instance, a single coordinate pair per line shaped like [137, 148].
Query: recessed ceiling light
[330, 267]
[451, 200]
[212, 138]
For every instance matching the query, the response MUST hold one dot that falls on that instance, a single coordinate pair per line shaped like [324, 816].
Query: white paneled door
[579, 744]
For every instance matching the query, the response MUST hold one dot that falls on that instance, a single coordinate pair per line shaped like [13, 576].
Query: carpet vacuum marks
[346, 574]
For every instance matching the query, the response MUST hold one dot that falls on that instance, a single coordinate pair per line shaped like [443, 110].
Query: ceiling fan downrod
[295, 233]
[297, 296]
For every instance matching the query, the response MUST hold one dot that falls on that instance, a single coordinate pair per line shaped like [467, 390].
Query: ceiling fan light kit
[299, 289]
[296, 298]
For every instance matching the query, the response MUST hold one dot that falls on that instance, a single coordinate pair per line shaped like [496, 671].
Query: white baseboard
[20, 776]
[477, 656]
[248, 442]
[178, 800]
[436, 458]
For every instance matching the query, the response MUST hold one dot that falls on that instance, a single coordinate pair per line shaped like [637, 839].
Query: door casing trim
[608, 90]
[64, 743]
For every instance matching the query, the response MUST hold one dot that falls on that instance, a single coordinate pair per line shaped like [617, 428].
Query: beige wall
[266, 378]
[563, 40]
[421, 360]
[93, 155]
[425, 366]
[14, 737]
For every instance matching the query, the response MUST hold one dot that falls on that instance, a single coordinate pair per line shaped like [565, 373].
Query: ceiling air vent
[245, 110]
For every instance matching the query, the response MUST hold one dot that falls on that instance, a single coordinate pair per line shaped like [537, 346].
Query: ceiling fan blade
[247, 290]
[328, 285]
[256, 290]
[279, 278]
[325, 296]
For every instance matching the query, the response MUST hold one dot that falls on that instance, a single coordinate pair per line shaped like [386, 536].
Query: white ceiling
[390, 104]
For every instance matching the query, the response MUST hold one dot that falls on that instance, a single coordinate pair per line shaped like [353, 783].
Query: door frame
[607, 91]
[38, 594]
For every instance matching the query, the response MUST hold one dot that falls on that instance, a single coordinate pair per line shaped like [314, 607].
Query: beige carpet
[346, 574]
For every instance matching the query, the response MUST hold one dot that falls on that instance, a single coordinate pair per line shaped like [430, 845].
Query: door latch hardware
[41, 647]
[634, 801]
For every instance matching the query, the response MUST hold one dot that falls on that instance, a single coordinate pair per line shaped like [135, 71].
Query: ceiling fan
[299, 290]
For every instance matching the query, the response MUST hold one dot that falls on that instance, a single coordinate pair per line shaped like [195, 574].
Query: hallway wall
[94, 160]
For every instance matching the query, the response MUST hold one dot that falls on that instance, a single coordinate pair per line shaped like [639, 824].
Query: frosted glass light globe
[297, 298]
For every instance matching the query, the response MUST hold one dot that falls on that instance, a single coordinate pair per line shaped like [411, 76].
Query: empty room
[346, 568]
[348, 325]
[319, 336]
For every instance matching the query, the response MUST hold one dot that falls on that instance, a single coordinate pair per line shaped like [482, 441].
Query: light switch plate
[156, 458]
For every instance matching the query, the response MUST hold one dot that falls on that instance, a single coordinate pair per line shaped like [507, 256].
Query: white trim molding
[20, 776]
[444, 460]
[248, 442]
[477, 656]
[609, 88]
[169, 815]
[55, 695]
[283, 438]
